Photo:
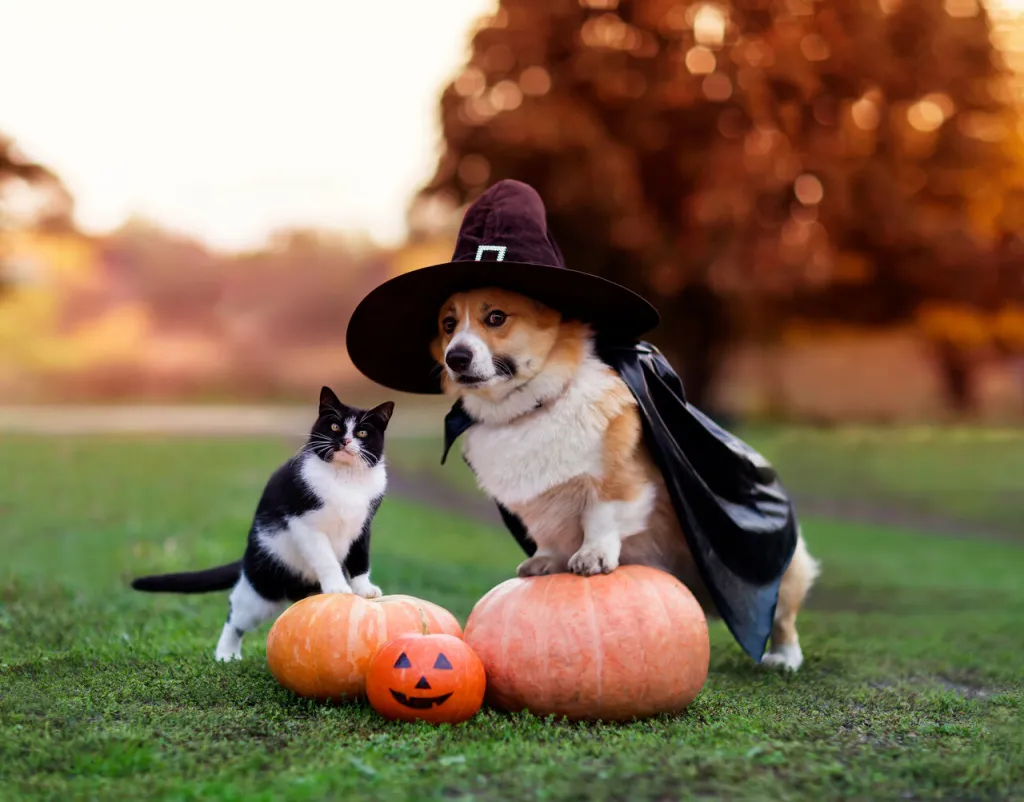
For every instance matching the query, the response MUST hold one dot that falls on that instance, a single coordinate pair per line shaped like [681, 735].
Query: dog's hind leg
[785, 650]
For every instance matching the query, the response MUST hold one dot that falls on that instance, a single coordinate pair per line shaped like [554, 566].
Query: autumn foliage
[750, 163]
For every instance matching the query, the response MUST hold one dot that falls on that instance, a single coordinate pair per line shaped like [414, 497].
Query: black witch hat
[503, 242]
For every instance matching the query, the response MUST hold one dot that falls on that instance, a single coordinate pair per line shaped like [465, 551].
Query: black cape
[738, 521]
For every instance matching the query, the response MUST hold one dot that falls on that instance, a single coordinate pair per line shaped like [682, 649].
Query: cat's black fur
[287, 496]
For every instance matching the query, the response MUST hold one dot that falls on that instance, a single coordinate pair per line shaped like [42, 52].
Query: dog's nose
[458, 358]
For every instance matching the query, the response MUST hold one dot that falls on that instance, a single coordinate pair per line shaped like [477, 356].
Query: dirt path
[212, 420]
[426, 489]
[899, 516]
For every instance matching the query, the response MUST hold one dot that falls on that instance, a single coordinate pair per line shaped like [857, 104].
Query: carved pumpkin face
[436, 678]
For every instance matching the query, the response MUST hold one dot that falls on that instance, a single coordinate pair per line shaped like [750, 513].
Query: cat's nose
[458, 358]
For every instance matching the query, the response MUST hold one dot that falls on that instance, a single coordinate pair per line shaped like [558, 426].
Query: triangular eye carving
[442, 661]
[402, 661]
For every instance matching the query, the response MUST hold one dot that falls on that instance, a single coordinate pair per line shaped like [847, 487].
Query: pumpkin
[435, 678]
[321, 646]
[618, 646]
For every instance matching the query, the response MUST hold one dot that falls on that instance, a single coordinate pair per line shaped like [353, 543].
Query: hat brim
[390, 332]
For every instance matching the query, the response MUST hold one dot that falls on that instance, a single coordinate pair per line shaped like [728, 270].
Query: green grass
[912, 686]
[971, 475]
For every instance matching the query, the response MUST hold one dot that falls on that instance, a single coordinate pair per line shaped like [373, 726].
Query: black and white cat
[311, 530]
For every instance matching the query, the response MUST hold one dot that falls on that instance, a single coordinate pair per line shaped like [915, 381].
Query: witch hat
[503, 242]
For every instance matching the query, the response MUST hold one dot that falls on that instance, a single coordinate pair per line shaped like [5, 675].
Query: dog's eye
[335, 427]
[448, 324]
[496, 318]
[361, 434]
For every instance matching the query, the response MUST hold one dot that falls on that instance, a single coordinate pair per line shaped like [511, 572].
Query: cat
[311, 530]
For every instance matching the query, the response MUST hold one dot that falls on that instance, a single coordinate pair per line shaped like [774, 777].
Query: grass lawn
[971, 475]
[912, 686]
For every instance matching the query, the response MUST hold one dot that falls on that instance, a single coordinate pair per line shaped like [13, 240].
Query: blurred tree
[303, 287]
[749, 162]
[30, 195]
[173, 276]
[295, 290]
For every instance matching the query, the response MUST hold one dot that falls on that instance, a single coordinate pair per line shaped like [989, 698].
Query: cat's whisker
[311, 445]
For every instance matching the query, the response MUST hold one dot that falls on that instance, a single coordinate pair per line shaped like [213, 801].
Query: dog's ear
[383, 412]
[436, 350]
[329, 401]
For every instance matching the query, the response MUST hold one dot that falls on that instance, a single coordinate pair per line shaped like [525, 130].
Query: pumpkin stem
[423, 620]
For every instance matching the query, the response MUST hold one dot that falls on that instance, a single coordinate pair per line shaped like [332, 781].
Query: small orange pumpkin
[624, 645]
[435, 678]
[321, 647]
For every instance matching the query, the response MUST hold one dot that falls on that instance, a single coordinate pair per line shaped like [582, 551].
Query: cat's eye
[335, 427]
[448, 325]
[495, 319]
[361, 434]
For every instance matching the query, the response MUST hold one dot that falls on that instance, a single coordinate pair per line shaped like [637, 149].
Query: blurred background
[825, 200]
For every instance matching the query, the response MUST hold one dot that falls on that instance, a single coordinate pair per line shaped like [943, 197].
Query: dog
[559, 442]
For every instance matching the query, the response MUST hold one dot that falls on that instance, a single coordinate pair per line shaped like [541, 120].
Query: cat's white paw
[336, 587]
[788, 657]
[362, 586]
[227, 655]
[229, 646]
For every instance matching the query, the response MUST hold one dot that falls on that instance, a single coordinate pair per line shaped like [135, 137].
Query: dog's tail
[220, 578]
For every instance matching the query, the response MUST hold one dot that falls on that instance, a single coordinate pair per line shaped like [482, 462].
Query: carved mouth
[419, 702]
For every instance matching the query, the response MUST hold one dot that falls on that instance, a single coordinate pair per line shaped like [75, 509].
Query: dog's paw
[362, 586]
[541, 565]
[336, 587]
[787, 657]
[595, 558]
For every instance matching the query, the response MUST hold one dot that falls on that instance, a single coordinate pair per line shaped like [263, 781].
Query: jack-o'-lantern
[435, 678]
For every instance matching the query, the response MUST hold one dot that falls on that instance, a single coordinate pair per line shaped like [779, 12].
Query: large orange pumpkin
[624, 645]
[321, 647]
[435, 678]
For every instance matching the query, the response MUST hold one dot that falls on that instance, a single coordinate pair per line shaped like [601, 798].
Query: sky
[226, 119]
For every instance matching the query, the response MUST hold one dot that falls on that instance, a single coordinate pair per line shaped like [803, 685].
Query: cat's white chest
[518, 461]
[346, 496]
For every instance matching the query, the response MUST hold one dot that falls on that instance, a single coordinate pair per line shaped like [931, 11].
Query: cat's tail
[220, 578]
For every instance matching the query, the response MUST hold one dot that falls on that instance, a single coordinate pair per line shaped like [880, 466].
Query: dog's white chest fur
[518, 461]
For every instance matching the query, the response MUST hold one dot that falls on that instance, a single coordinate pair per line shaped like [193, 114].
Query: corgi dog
[558, 441]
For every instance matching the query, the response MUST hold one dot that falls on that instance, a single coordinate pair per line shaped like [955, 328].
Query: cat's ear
[384, 412]
[329, 401]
